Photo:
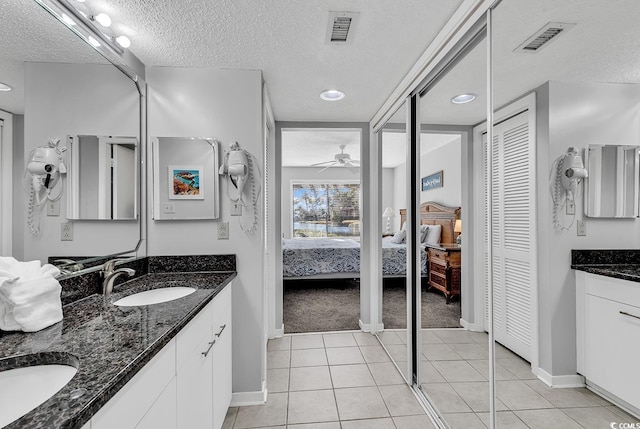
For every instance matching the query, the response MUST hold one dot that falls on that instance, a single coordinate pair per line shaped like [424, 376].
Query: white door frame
[6, 181]
[526, 103]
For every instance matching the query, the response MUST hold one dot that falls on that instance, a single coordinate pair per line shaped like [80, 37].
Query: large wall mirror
[611, 190]
[63, 87]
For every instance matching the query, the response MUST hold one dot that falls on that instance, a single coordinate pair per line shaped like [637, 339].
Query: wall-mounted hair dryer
[45, 167]
[567, 173]
[241, 167]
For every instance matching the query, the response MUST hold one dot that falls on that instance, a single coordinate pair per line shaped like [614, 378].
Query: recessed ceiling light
[463, 98]
[5, 87]
[332, 95]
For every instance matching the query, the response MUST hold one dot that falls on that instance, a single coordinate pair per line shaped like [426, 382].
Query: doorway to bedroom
[320, 219]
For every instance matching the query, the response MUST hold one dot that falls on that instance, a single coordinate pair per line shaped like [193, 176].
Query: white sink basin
[154, 296]
[23, 389]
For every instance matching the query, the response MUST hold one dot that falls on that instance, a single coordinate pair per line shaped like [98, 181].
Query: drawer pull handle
[221, 329]
[211, 343]
[629, 314]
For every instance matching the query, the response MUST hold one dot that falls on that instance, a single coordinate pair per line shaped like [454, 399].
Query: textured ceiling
[29, 33]
[286, 40]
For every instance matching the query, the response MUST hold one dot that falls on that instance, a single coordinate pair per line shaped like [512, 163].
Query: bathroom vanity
[166, 365]
[608, 326]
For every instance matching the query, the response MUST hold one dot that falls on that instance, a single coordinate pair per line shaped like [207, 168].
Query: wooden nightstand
[444, 269]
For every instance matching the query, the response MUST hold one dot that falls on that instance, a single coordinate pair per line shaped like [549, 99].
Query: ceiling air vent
[542, 37]
[340, 27]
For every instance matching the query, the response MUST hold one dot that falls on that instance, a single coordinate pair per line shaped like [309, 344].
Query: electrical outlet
[67, 232]
[581, 227]
[571, 206]
[236, 208]
[223, 230]
[168, 208]
[53, 208]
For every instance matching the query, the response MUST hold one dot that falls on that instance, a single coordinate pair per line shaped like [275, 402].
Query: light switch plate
[168, 208]
[53, 208]
[581, 228]
[236, 208]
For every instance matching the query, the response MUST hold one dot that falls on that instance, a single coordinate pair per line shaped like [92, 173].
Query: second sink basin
[154, 296]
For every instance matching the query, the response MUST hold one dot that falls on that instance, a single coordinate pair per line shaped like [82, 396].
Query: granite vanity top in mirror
[111, 343]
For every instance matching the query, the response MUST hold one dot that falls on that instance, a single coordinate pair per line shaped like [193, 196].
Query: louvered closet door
[513, 231]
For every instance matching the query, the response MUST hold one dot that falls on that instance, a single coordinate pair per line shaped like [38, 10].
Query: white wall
[575, 114]
[67, 99]
[447, 158]
[226, 104]
[388, 198]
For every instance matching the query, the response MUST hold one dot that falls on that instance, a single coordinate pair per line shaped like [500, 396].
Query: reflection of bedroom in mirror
[321, 212]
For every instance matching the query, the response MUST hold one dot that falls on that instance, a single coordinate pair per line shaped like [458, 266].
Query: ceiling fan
[339, 160]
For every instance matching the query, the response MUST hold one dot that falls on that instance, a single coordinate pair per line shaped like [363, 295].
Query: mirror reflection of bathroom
[102, 177]
[395, 336]
[454, 365]
[573, 89]
[62, 86]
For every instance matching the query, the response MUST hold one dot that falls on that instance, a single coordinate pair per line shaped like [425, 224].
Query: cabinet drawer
[438, 268]
[438, 280]
[437, 254]
[191, 335]
[611, 347]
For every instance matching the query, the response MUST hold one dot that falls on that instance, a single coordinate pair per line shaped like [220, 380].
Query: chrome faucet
[110, 274]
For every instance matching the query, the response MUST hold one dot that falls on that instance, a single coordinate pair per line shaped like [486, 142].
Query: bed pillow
[424, 231]
[433, 237]
[399, 237]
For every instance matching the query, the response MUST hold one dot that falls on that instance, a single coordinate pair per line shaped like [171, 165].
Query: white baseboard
[560, 381]
[242, 399]
[276, 333]
[475, 327]
[367, 327]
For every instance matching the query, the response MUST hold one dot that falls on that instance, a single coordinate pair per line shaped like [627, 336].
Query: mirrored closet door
[394, 297]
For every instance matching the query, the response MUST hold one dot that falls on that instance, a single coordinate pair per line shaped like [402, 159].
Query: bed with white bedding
[339, 258]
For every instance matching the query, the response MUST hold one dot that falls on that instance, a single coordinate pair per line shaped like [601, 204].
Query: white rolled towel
[29, 295]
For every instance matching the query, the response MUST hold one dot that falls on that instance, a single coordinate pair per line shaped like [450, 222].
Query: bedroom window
[326, 209]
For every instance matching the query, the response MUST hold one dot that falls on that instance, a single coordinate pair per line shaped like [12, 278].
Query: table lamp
[457, 228]
[389, 214]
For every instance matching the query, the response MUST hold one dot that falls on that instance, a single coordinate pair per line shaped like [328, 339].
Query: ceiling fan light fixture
[332, 95]
[463, 98]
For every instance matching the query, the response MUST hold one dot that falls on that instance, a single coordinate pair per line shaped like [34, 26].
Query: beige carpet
[334, 305]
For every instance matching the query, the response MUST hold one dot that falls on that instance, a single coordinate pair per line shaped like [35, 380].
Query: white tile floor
[331, 381]
[455, 372]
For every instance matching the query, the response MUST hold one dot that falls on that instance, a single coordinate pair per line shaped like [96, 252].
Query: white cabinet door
[162, 414]
[611, 347]
[194, 390]
[222, 368]
[127, 408]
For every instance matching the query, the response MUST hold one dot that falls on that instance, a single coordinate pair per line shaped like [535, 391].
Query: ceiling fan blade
[320, 163]
[352, 163]
[328, 166]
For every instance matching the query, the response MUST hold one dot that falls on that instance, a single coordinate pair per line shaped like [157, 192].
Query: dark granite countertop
[618, 263]
[110, 344]
[620, 271]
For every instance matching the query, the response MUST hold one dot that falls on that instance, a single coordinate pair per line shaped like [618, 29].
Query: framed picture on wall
[186, 182]
[433, 181]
